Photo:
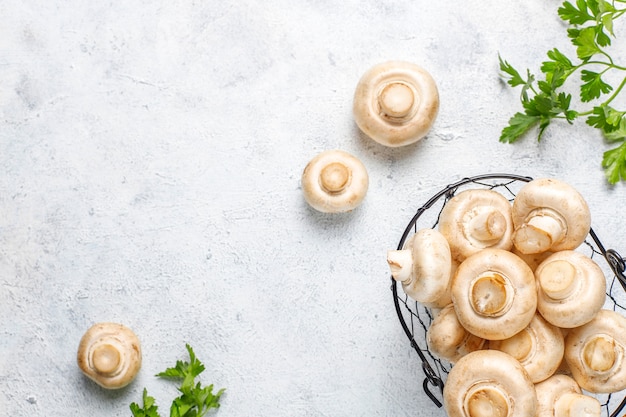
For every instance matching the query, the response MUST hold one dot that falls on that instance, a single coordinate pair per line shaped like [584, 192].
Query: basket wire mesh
[416, 318]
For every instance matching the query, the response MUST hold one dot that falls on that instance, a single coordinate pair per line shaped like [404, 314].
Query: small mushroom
[595, 353]
[110, 355]
[396, 103]
[571, 288]
[494, 294]
[560, 396]
[448, 340]
[539, 348]
[423, 266]
[476, 219]
[334, 181]
[489, 383]
[549, 215]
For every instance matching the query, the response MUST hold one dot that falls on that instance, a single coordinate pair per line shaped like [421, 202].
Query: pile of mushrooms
[524, 325]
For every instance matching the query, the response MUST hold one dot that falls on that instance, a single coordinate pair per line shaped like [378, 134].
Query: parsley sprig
[194, 400]
[590, 30]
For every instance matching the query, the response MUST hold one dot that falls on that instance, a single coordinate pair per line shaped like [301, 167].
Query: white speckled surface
[150, 158]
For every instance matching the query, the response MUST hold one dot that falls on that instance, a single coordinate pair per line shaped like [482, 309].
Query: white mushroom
[560, 396]
[489, 383]
[448, 340]
[549, 215]
[571, 288]
[476, 219]
[494, 294]
[595, 353]
[396, 103]
[334, 181]
[109, 354]
[539, 348]
[423, 266]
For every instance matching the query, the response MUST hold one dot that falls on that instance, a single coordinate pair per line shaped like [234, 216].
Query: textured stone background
[150, 159]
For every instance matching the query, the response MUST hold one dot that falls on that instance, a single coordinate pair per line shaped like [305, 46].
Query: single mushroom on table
[109, 354]
[423, 266]
[489, 383]
[549, 215]
[334, 181]
[494, 294]
[476, 219]
[539, 348]
[571, 288]
[560, 396]
[448, 340]
[396, 103]
[595, 353]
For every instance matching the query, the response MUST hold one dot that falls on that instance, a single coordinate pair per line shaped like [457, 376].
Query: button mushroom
[570, 288]
[476, 219]
[334, 181]
[539, 348]
[448, 340]
[489, 383]
[423, 266]
[110, 355]
[595, 353]
[549, 214]
[494, 294]
[560, 396]
[396, 103]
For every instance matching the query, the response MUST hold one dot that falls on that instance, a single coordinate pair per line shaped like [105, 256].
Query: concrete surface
[150, 159]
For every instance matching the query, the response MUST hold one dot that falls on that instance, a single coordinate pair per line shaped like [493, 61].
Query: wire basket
[416, 318]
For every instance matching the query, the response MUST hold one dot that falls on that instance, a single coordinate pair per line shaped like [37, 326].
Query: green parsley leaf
[614, 164]
[586, 43]
[519, 124]
[149, 409]
[593, 86]
[575, 15]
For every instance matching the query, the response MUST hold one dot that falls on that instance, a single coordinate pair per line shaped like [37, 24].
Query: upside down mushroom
[549, 215]
[494, 294]
[334, 181]
[474, 220]
[396, 103]
[560, 396]
[595, 353]
[489, 383]
[109, 354]
[571, 288]
[423, 266]
[539, 348]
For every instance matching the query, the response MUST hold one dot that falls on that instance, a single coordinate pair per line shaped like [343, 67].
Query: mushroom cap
[494, 294]
[109, 354]
[571, 288]
[560, 396]
[431, 264]
[396, 103]
[489, 383]
[334, 181]
[539, 348]
[549, 214]
[448, 340]
[595, 353]
[476, 219]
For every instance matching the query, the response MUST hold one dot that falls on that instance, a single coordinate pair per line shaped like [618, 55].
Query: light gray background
[150, 162]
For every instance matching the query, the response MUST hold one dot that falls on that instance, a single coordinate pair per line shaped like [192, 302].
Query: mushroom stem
[488, 226]
[401, 264]
[484, 400]
[491, 294]
[334, 177]
[543, 229]
[558, 279]
[572, 404]
[106, 359]
[599, 353]
[396, 100]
